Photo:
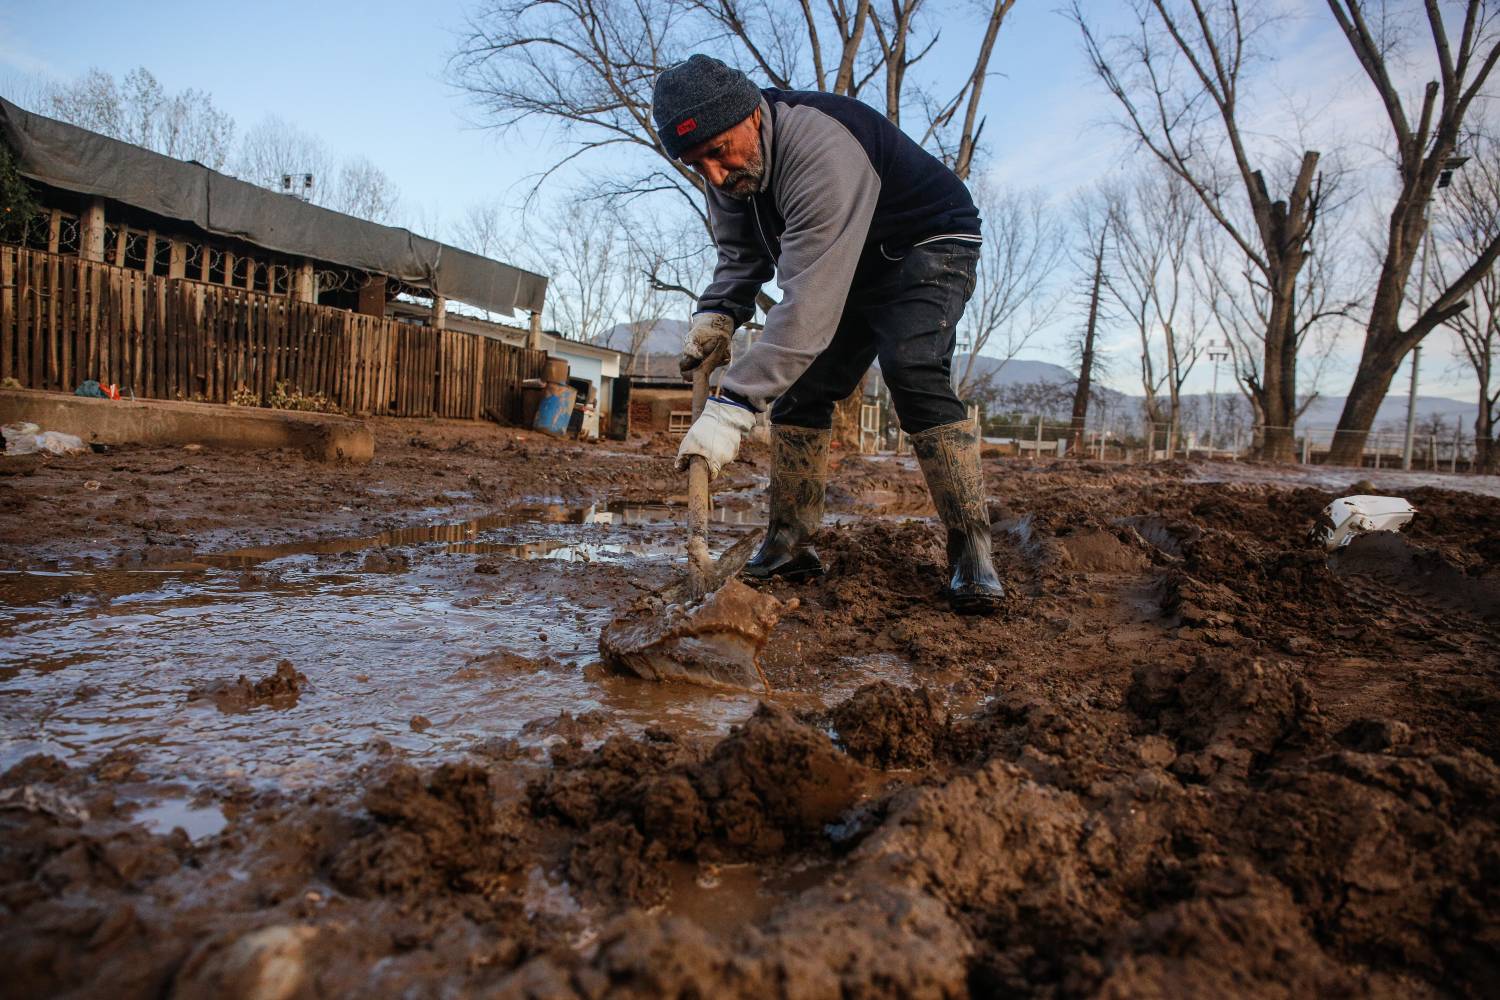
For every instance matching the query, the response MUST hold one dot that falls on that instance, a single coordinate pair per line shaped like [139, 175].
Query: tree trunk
[1277, 397]
[1372, 381]
[1086, 360]
[1386, 344]
[1484, 443]
[1486, 448]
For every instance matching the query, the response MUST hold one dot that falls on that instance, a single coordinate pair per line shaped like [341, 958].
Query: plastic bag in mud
[28, 438]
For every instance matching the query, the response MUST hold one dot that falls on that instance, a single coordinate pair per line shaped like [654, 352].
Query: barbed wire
[64, 234]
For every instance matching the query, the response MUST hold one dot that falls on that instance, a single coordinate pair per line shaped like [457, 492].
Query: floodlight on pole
[299, 186]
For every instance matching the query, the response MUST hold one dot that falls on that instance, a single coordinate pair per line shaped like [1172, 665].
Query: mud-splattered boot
[949, 456]
[799, 475]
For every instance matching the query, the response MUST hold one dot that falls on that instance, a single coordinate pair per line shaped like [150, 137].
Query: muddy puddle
[431, 639]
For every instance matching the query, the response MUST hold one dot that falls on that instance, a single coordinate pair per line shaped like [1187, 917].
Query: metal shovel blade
[714, 642]
[703, 630]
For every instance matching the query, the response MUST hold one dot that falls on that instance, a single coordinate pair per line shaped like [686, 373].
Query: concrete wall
[319, 436]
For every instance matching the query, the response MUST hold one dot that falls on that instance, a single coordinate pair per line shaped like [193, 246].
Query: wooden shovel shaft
[700, 561]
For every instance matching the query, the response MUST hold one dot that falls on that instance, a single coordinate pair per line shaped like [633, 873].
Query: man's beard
[744, 182]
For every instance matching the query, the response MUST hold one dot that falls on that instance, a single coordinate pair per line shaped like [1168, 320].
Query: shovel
[708, 628]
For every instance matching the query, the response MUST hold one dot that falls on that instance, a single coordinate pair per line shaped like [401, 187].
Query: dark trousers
[904, 312]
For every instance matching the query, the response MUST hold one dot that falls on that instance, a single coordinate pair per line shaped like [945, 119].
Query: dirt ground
[270, 733]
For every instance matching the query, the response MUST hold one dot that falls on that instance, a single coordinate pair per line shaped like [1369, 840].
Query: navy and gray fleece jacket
[840, 182]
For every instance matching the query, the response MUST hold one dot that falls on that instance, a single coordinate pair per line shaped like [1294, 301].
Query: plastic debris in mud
[1347, 517]
[715, 641]
[27, 439]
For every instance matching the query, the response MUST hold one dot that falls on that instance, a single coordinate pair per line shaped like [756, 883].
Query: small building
[599, 366]
[660, 400]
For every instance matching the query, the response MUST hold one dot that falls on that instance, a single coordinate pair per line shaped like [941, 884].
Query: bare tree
[1153, 227]
[363, 190]
[586, 68]
[1092, 214]
[139, 110]
[1013, 300]
[481, 229]
[1178, 79]
[1424, 144]
[665, 258]
[1469, 221]
[578, 246]
[275, 148]
[1240, 306]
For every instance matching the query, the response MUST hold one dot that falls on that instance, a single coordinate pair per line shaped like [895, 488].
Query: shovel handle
[700, 560]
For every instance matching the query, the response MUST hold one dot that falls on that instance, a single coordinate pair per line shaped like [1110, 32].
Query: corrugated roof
[76, 159]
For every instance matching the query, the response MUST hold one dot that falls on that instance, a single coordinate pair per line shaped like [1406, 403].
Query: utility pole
[1216, 352]
[1445, 178]
[1416, 356]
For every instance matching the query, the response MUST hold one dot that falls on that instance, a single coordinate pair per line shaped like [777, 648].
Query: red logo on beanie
[687, 126]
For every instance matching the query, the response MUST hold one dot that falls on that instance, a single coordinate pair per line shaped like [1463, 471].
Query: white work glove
[709, 334]
[715, 435]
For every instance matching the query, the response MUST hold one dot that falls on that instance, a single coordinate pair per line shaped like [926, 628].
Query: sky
[369, 78]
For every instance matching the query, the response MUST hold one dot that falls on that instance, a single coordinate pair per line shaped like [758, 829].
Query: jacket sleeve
[744, 261]
[827, 190]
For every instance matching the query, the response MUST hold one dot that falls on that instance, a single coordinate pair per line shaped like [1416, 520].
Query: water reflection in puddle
[97, 660]
[196, 821]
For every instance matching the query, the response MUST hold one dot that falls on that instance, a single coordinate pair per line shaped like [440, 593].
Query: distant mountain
[665, 341]
[664, 337]
[1021, 372]
[1016, 371]
[1324, 411]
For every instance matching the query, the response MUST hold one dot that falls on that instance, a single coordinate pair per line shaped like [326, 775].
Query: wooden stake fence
[64, 320]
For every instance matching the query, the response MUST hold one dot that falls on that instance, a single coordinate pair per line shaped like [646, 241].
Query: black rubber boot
[949, 456]
[799, 475]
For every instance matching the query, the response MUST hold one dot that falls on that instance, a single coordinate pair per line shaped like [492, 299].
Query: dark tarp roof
[75, 159]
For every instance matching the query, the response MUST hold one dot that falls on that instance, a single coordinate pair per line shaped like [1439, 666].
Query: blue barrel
[556, 408]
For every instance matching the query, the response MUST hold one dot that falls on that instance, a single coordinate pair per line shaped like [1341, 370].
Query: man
[873, 243]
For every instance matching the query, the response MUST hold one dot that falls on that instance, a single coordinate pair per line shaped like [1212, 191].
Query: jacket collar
[766, 145]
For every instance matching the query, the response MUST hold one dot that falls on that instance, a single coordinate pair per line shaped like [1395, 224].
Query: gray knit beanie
[698, 99]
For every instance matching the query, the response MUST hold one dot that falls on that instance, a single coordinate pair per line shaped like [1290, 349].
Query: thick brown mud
[1194, 756]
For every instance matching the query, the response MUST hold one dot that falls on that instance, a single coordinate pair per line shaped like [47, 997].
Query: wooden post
[439, 320]
[150, 251]
[478, 356]
[122, 237]
[54, 230]
[92, 244]
[305, 284]
[177, 260]
[534, 335]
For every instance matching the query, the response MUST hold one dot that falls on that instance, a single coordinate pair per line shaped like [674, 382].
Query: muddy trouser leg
[914, 319]
[801, 422]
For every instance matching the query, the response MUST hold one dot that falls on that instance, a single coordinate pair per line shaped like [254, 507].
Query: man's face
[731, 161]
